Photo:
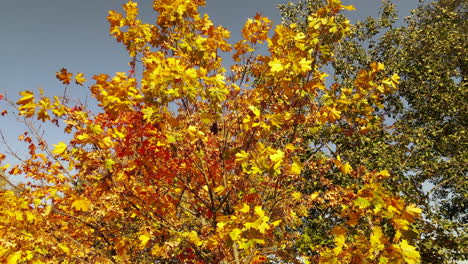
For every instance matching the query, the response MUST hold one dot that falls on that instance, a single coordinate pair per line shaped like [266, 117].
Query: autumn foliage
[189, 161]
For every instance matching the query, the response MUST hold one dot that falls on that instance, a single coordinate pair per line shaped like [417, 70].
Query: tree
[189, 163]
[425, 141]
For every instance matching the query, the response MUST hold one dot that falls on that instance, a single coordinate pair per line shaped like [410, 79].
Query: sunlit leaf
[235, 234]
[361, 203]
[144, 239]
[410, 254]
[59, 148]
[275, 66]
[348, 7]
[81, 205]
[79, 79]
[14, 258]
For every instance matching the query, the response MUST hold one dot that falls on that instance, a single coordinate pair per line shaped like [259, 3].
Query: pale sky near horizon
[39, 37]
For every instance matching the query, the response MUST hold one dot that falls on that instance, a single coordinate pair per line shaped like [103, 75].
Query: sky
[39, 37]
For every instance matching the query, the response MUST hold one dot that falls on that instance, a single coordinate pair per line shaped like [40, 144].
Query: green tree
[425, 139]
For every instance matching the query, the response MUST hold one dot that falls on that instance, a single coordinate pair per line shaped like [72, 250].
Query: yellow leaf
[144, 239]
[334, 115]
[255, 110]
[401, 223]
[64, 248]
[290, 147]
[277, 158]
[29, 255]
[59, 148]
[346, 168]
[361, 202]
[4, 251]
[192, 130]
[413, 210]
[219, 189]
[276, 223]
[36, 201]
[377, 66]
[220, 225]
[192, 236]
[275, 65]
[29, 216]
[348, 7]
[96, 129]
[259, 224]
[305, 65]
[296, 168]
[376, 239]
[235, 234]
[314, 195]
[27, 97]
[79, 79]
[398, 235]
[131, 9]
[82, 137]
[81, 205]
[245, 245]
[158, 251]
[263, 227]
[384, 173]
[339, 241]
[410, 254]
[245, 208]
[47, 210]
[107, 141]
[219, 79]
[388, 84]
[108, 164]
[13, 258]
[242, 156]
[278, 119]
[296, 195]
[259, 211]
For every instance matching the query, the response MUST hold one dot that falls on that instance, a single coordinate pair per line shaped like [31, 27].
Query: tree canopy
[265, 161]
[425, 141]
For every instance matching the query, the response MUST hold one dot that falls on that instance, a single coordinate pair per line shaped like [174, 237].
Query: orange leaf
[64, 76]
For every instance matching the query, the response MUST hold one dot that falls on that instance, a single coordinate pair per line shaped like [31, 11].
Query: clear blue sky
[39, 37]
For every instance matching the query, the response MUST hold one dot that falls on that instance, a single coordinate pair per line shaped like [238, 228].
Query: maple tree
[189, 162]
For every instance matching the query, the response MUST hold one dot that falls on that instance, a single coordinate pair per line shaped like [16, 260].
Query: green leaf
[361, 203]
